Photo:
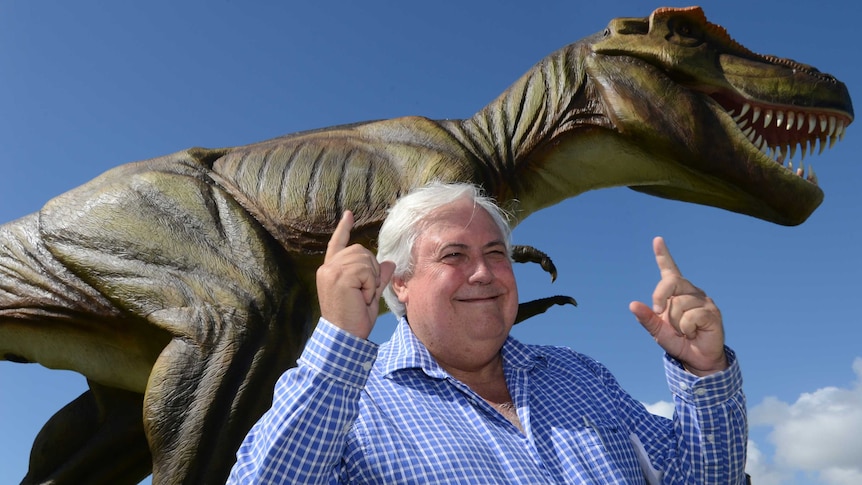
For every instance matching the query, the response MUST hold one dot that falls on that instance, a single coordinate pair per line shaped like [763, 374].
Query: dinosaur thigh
[51, 316]
[174, 249]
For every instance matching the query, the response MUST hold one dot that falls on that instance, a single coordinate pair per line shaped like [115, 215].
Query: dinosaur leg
[174, 249]
[232, 341]
[96, 439]
[233, 337]
[208, 389]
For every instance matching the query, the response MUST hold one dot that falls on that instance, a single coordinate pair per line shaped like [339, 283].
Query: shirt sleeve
[706, 441]
[301, 438]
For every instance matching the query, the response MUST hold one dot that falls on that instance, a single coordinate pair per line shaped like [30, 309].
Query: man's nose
[482, 273]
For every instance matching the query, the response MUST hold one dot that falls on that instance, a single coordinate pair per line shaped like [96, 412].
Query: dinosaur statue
[183, 286]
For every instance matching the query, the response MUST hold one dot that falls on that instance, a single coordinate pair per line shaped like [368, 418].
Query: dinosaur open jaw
[782, 133]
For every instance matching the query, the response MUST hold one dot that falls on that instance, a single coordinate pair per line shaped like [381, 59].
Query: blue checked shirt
[350, 414]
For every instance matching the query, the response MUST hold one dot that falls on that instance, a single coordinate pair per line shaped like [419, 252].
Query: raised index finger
[341, 235]
[665, 262]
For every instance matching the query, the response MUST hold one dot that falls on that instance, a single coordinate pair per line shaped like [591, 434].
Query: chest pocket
[600, 450]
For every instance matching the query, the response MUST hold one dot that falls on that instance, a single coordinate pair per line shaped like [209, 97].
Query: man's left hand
[683, 320]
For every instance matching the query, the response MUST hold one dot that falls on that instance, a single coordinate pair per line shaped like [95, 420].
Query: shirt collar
[405, 351]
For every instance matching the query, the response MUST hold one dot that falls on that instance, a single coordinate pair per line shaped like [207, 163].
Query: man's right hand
[350, 282]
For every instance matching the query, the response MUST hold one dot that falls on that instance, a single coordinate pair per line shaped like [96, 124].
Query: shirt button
[699, 391]
[367, 365]
[683, 386]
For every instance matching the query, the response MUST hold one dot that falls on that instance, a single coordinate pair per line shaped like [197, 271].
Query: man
[451, 398]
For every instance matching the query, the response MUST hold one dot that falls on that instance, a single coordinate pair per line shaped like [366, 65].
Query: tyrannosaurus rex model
[183, 286]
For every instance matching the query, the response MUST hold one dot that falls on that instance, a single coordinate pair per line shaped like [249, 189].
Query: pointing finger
[341, 235]
[665, 262]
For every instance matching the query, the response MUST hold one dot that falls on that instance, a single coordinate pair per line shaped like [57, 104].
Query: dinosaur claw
[529, 254]
[535, 307]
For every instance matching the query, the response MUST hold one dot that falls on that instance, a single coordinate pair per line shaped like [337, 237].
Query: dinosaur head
[724, 126]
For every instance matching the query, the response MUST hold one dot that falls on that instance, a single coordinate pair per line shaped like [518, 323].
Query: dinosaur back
[298, 185]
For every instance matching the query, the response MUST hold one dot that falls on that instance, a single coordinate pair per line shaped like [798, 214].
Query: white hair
[401, 228]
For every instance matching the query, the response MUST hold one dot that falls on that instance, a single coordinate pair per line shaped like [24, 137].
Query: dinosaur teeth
[779, 118]
[811, 176]
[781, 134]
[767, 118]
[784, 155]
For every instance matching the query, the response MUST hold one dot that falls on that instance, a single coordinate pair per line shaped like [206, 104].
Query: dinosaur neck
[511, 135]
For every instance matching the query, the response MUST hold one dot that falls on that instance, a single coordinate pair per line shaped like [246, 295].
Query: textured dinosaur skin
[183, 286]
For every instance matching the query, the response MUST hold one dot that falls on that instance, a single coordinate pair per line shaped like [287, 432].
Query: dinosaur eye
[685, 33]
[684, 30]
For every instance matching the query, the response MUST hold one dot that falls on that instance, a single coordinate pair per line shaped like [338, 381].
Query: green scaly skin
[183, 286]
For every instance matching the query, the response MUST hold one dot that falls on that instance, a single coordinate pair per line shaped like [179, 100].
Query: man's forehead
[448, 228]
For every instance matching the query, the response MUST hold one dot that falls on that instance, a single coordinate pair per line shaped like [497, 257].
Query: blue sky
[92, 84]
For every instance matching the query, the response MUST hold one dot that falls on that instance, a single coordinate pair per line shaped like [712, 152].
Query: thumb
[646, 317]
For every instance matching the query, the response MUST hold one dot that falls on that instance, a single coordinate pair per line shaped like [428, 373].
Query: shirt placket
[489, 412]
[518, 380]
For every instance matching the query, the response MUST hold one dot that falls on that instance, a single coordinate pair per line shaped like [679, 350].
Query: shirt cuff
[339, 355]
[704, 391]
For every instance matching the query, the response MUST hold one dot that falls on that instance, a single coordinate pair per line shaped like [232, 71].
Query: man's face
[461, 298]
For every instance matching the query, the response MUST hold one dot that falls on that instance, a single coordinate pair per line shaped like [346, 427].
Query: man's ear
[399, 286]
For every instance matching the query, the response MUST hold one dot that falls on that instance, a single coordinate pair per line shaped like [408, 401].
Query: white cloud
[761, 470]
[842, 476]
[818, 435]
